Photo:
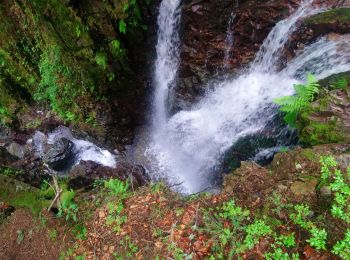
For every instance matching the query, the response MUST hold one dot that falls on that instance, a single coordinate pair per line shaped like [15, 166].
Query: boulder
[85, 174]
[61, 155]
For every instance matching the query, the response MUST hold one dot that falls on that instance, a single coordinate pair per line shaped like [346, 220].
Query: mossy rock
[50, 55]
[336, 81]
[338, 15]
[325, 121]
[21, 195]
[332, 21]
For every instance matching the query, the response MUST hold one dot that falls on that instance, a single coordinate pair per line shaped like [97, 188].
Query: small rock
[101, 214]
[60, 155]
[282, 187]
[111, 249]
[307, 187]
[16, 150]
[325, 191]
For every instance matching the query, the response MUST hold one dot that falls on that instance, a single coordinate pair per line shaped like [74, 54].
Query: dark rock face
[5, 157]
[60, 155]
[29, 170]
[5, 211]
[204, 27]
[84, 174]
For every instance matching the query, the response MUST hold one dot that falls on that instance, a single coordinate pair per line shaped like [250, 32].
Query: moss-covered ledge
[327, 120]
[335, 20]
[338, 15]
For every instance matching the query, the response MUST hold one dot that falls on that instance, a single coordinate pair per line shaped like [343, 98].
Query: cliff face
[204, 43]
[204, 38]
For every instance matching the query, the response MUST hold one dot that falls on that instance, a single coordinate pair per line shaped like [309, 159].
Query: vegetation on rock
[336, 15]
[68, 55]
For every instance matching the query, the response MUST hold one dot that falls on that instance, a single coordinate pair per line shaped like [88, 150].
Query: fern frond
[292, 105]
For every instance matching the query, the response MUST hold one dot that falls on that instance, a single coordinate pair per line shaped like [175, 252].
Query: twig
[196, 215]
[58, 194]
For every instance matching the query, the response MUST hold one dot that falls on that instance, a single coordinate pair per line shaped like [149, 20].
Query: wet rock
[335, 20]
[61, 155]
[30, 170]
[329, 23]
[204, 27]
[85, 174]
[260, 147]
[4, 135]
[17, 150]
[325, 196]
[343, 161]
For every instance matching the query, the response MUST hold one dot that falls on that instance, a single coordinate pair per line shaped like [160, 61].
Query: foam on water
[84, 150]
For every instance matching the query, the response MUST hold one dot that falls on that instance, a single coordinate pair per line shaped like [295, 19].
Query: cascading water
[229, 40]
[187, 146]
[167, 60]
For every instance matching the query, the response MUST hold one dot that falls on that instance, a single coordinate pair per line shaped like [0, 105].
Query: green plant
[340, 185]
[80, 231]
[341, 83]
[300, 217]
[117, 187]
[280, 255]
[119, 190]
[227, 236]
[292, 105]
[53, 234]
[20, 236]
[101, 59]
[342, 248]
[68, 208]
[254, 232]
[129, 247]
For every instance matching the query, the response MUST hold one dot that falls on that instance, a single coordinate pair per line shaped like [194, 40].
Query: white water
[187, 146]
[84, 150]
[229, 40]
[167, 59]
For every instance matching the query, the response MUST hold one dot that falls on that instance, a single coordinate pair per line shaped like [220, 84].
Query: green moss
[309, 154]
[336, 81]
[49, 50]
[9, 172]
[321, 133]
[338, 15]
[21, 195]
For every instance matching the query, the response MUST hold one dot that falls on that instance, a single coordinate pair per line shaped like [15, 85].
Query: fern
[304, 95]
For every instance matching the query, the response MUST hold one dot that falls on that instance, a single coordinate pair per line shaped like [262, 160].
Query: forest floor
[274, 212]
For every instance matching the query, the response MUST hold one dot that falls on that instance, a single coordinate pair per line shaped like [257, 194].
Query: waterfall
[168, 46]
[187, 146]
[229, 41]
